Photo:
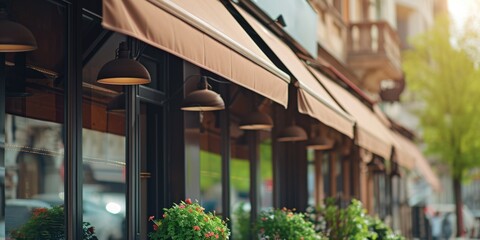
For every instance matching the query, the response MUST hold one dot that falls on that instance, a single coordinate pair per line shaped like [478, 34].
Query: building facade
[114, 154]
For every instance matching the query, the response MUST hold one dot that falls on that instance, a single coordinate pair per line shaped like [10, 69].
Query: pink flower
[164, 215]
[188, 201]
[155, 227]
[151, 218]
[182, 206]
[196, 228]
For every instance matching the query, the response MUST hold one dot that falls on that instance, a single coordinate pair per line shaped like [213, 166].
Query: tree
[446, 78]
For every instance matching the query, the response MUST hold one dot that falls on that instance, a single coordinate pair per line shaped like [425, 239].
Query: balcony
[373, 53]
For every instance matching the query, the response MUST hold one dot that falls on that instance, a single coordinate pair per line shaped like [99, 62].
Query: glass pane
[104, 187]
[311, 177]
[266, 190]
[33, 176]
[326, 174]
[240, 190]
[210, 164]
[338, 175]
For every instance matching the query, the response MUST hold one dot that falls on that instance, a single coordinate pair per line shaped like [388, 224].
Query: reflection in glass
[240, 189]
[104, 150]
[211, 181]
[266, 189]
[326, 174]
[33, 168]
[311, 176]
[33, 173]
[210, 163]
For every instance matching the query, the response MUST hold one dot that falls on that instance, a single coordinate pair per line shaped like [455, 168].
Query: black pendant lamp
[292, 133]
[320, 143]
[256, 120]
[321, 139]
[203, 99]
[123, 70]
[14, 37]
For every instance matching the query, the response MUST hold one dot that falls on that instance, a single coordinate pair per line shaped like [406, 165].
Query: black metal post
[73, 126]
[133, 163]
[2, 135]
[255, 175]
[225, 151]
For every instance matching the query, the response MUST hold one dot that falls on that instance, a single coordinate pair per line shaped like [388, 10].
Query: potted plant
[284, 224]
[48, 223]
[188, 220]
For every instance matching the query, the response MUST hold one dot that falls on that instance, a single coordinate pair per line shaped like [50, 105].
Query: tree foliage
[447, 80]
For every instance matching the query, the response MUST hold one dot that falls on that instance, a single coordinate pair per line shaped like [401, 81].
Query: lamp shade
[15, 37]
[203, 100]
[320, 143]
[117, 104]
[123, 70]
[292, 133]
[256, 120]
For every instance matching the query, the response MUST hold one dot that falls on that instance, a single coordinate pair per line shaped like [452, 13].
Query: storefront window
[33, 172]
[326, 175]
[339, 175]
[210, 163]
[311, 177]
[240, 189]
[103, 144]
[266, 189]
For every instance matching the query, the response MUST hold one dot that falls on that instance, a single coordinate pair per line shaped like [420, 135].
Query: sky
[461, 9]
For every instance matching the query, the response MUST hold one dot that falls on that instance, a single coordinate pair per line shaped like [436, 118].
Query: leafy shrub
[188, 220]
[382, 231]
[284, 224]
[349, 223]
[48, 223]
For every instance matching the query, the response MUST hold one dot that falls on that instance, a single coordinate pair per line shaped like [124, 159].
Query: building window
[240, 188]
[326, 173]
[210, 163]
[266, 172]
[311, 176]
[34, 120]
[104, 149]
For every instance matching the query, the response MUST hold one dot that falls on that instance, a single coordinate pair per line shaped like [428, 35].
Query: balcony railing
[373, 40]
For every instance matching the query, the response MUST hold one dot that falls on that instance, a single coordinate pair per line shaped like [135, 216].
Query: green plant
[349, 223]
[188, 220]
[48, 223]
[284, 224]
[382, 230]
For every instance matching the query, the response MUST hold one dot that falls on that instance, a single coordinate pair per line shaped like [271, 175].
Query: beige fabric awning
[403, 151]
[423, 166]
[313, 99]
[371, 132]
[204, 33]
